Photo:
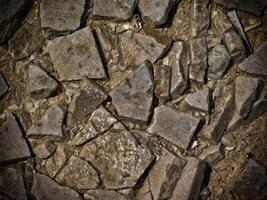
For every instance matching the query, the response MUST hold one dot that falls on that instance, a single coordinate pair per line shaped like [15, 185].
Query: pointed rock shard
[177, 127]
[76, 55]
[133, 97]
[118, 157]
[13, 146]
[97, 194]
[3, 85]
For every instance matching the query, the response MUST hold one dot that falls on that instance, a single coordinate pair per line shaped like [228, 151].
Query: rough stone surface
[76, 55]
[3, 85]
[221, 22]
[177, 127]
[13, 146]
[133, 97]
[97, 194]
[78, 174]
[189, 184]
[44, 150]
[46, 188]
[40, 85]
[61, 15]
[144, 192]
[51, 125]
[118, 157]
[212, 154]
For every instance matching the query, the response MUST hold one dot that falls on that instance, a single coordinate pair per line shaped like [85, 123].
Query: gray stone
[219, 60]
[78, 174]
[204, 194]
[13, 146]
[165, 125]
[44, 150]
[3, 85]
[51, 125]
[212, 154]
[86, 134]
[221, 22]
[144, 192]
[256, 63]
[200, 99]
[112, 9]
[228, 141]
[86, 100]
[46, 188]
[189, 184]
[118, 157]
[61, 15]
[199, 65]
[157, 10]
[98, 194]
[76, 55]
[133, 97]
[40, 85]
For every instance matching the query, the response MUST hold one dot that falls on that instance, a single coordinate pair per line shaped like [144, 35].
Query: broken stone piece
[97, 194]
[76, 55]
[212, 154]
[40, 84]
[44, 150]
[177, 127]
[221, 22]
[144, 192]
[133, 97]
[61, 15]
[3, 85]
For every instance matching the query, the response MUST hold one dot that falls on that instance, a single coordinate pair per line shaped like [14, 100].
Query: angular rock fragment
[256, 63]
[76, 55]
[13, 146]
[87, 133]
[40, 85]
[78, 174]
[177, 127]
[97, 194]
[157, 10]
[212, 154]
[3, 85]
[144, 192]
[44, 150]
[133, 97]
[46, 188]
[221, 22]
[189, 184]
[118, 157]
[61, 15]
[51, 125]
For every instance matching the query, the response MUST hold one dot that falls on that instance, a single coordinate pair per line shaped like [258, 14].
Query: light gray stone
[97, 194]
[76, 55]
[44, 150]
[221, 22]
[133, 97]
[177, 127]
[212, 154]
[61, 15]
[3, 85]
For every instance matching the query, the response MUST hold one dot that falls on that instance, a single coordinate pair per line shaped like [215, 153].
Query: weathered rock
[12, 183]
[177, 127]
[78, 174]
[46, 188]
[250, 181]
[76, 55]
[189, 184]
[87, 133]
[3, 85]
[198, 68]
[219, 60]
[228, 141]
[221, 22]
[118, 157]
[212, 154]
[133, 97]
[51, 125]
[61, 15]
[144, 192]
[44, 150]
[256, 63]
[157, 10]
[200, 99]
[13, 146]
[11, 16]
[40, 85]
[204, 194]
[25, 41]
[98, 194]
[86, 100]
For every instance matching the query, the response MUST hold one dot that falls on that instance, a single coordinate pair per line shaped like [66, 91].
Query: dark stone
[3, 85]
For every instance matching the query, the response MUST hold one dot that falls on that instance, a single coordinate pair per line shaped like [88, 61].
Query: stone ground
[144, 100]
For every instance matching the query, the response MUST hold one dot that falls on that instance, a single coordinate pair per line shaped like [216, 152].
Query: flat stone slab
[3, 85]
[118, 157]
[76, 55]
[177, 127]
[61, 15]
[97, 194]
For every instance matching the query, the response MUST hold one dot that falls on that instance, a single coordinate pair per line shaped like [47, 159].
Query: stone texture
[113, 9]
[165, 125]
[221, 22]
[86, 100]
[40, 85]
[189, 184]
[118, 157]
[144, 192]
[219, 60]
[256, 63]
[133, 97]
[51, 124]
[44, 150]
[78, 174]
[212, 154]
[3, 85]
[86, 134]
[204, 194]
[157, 10]
[46, 188]
[98, 194]
[76, 55]
[61, 15]
[13, 146]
